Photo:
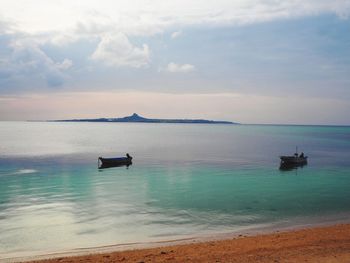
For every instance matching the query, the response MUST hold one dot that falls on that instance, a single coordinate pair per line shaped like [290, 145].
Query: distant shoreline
[296, 125]
[217, 122]
[139, 119]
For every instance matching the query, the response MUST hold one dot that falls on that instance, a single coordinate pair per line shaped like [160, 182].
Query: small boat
[114, 162]
[293, 160]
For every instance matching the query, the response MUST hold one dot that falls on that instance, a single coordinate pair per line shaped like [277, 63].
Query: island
[137, 118]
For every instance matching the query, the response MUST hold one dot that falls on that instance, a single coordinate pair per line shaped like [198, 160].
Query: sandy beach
[319, 244]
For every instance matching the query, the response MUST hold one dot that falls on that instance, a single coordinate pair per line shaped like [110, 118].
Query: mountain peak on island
[134, 117]
[137, 118]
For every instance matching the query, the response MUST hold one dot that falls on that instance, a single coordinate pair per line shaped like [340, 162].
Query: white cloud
[180, 68]
[111, 20]
[116, 50]
[23, 61]
[176, 34]
[65, 64]
[145, 17]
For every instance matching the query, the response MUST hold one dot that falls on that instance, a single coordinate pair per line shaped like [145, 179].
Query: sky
[248, 61]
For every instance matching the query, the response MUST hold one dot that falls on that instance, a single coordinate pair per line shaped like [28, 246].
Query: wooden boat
[293, 161]
[114, 162]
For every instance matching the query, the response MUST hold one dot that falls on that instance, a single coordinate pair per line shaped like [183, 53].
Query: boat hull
[114, 162]
[291, 162]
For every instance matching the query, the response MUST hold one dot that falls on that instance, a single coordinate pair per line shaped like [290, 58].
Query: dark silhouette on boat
[114, 162]
[293, 161]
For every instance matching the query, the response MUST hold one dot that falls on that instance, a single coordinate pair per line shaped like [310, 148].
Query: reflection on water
[186, 180]
[111, 165]
[290, 167]
[102, 167]
[77, 206]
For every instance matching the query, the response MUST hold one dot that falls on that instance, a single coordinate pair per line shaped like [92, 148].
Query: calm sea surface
[185, 181]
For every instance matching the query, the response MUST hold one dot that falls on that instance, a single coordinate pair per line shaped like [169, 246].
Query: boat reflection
[290, 167]
[106, 166]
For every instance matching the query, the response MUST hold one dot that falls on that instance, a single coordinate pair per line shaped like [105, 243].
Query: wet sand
[320, 244]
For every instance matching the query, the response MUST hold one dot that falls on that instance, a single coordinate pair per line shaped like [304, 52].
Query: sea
[186, 181]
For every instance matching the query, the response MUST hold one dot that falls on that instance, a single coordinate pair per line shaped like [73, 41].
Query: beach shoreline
[315, 238]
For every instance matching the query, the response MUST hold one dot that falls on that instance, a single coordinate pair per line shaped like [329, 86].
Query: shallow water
[186, 180]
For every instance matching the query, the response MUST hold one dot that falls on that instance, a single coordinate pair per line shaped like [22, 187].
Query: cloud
[176, 34]
[24, 63]
[116, 50]
[28, 59]
[142, 17]
[6, 27]
[103, 18]
[66, 64]
[180, 68]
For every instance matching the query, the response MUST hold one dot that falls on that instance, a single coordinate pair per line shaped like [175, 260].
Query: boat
[293, 160]
[114, 162]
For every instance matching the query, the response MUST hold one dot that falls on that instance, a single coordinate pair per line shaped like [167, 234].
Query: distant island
[137, 118]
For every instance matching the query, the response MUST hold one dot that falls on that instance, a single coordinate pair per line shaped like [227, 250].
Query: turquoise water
[186, 181]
